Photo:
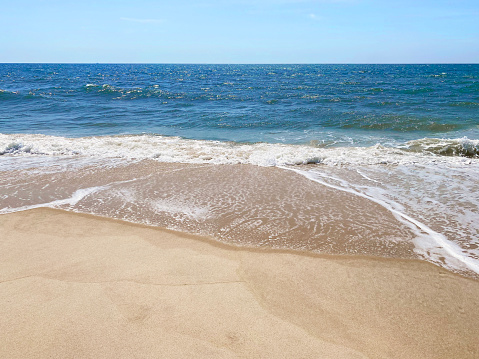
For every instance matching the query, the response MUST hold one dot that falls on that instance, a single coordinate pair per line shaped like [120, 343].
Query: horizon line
[241, 63]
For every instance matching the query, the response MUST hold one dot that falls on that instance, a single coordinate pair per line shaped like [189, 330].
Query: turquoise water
[323, 105]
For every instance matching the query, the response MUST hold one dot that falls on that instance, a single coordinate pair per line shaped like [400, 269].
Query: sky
[240, 31]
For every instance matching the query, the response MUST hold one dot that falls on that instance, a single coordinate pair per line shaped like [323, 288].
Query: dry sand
[78, 286]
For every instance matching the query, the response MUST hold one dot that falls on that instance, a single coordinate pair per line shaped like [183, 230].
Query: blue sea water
[326, 105]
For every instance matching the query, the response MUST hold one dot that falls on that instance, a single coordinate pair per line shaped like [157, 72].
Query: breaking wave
[462, 147]
[180, 150]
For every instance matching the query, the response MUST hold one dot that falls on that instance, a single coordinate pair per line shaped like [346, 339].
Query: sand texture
[78, 286]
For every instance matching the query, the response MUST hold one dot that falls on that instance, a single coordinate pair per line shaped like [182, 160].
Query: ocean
[374, 160]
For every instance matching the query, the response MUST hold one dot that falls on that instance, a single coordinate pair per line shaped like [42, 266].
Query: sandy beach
[79, 286]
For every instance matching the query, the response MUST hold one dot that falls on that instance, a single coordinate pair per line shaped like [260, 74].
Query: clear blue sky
[240, 31]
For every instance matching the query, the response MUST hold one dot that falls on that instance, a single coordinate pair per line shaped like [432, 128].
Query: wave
[462, 147]
[180, 150]
[33, 94]
[5, 94]
[112, 90]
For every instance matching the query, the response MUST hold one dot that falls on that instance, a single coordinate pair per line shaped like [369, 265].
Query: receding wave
[180, 150]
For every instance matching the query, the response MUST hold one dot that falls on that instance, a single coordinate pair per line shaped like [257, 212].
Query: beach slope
[79, 286]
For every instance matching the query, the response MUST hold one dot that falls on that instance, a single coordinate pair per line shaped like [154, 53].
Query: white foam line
[76, 197]
[366, 177]
[451, 248]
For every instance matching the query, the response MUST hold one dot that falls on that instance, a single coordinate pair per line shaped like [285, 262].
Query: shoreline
[76, 284]
[338, 211]
[211, 241]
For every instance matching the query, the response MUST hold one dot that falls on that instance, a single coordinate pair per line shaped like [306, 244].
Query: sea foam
[180, 150]
[430, 244]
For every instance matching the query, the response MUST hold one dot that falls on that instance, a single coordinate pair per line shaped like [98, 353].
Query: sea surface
[379, 160]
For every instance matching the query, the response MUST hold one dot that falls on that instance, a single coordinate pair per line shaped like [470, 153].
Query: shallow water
[367, 210]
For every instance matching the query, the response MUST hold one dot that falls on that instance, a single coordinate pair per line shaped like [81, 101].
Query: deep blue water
[326, 104]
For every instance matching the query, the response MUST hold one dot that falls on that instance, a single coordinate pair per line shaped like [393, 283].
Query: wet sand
[237, 204]
[79, 286]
